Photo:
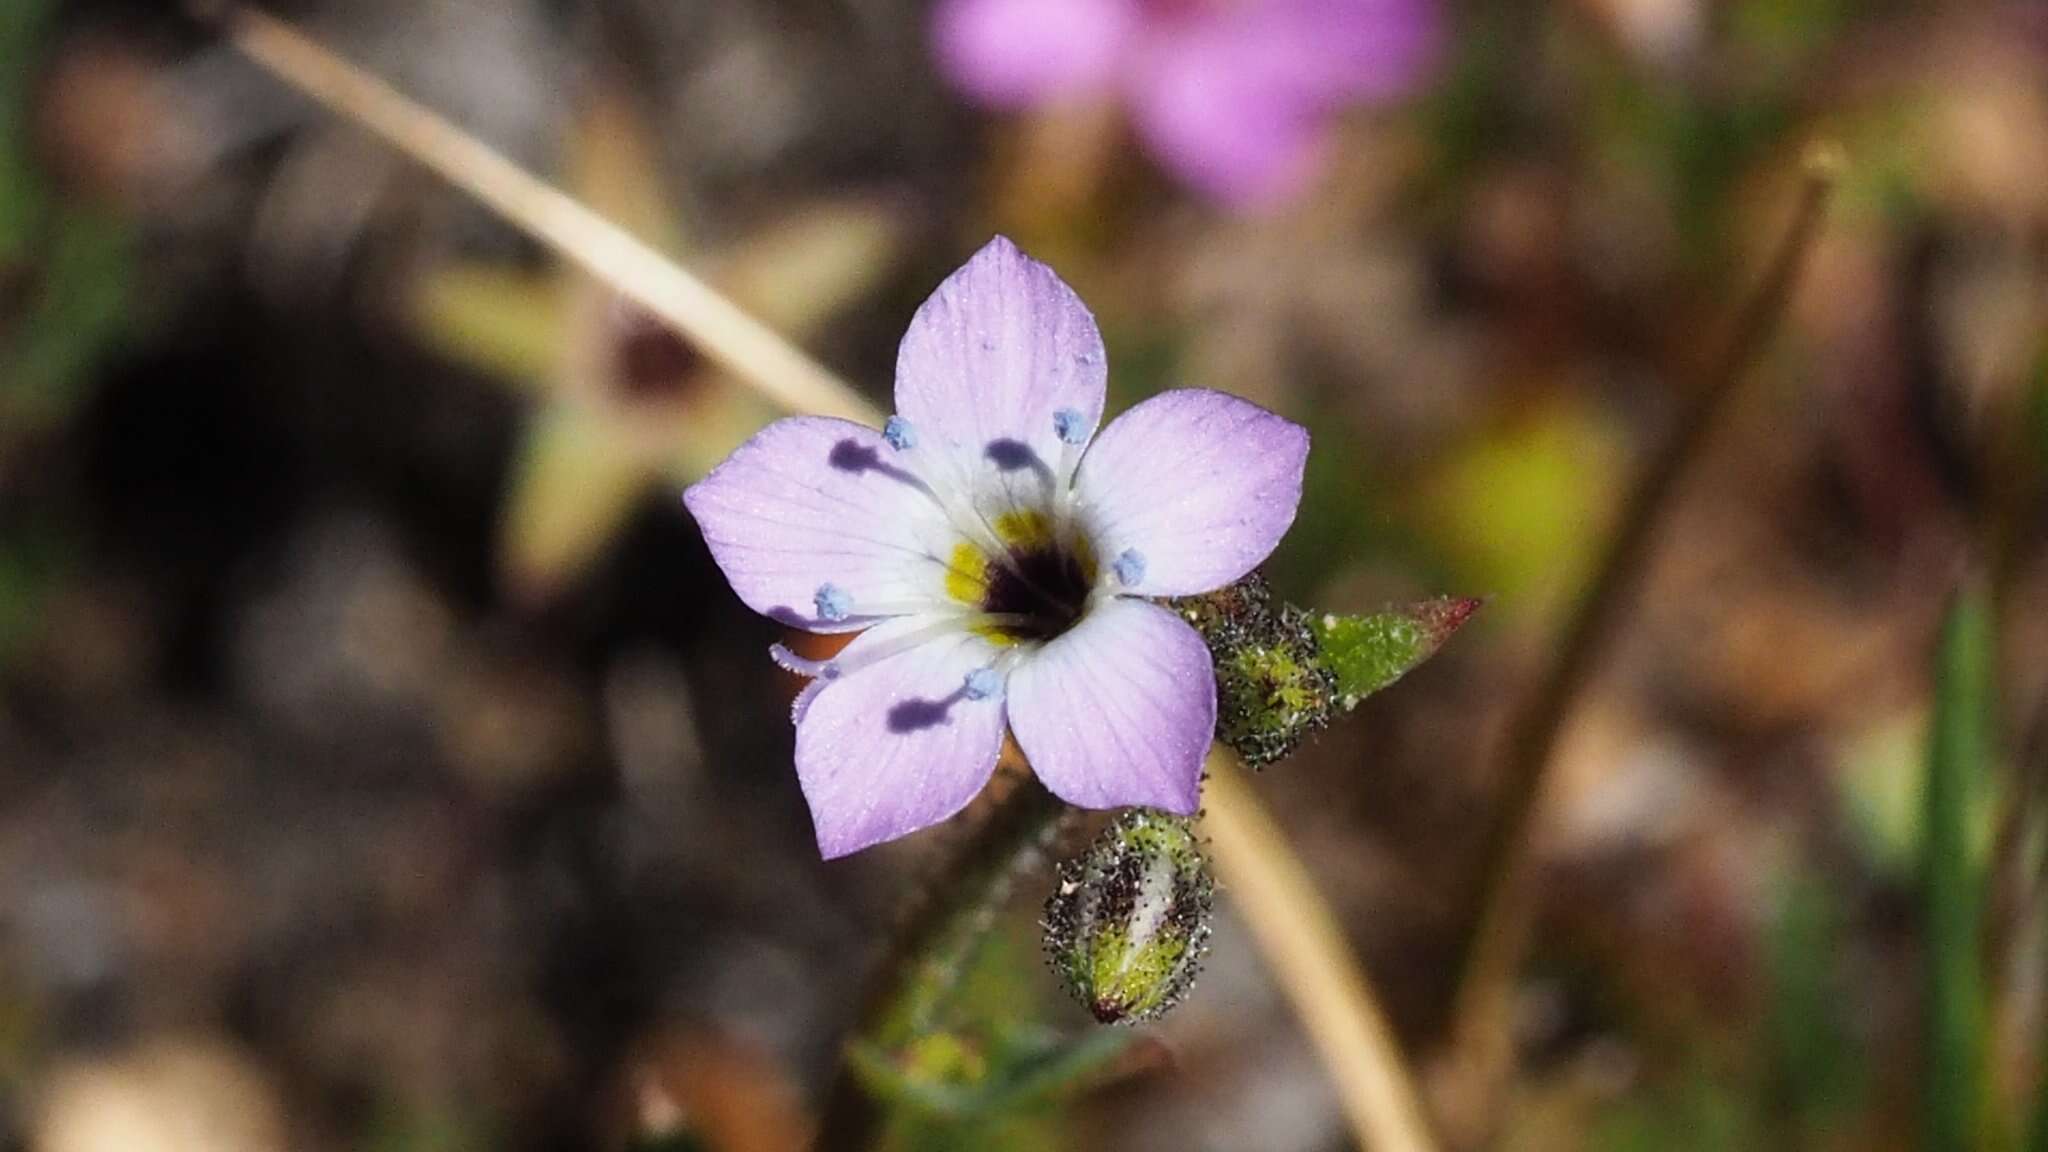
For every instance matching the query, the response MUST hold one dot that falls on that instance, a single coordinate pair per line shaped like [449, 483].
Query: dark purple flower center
[1045, 587]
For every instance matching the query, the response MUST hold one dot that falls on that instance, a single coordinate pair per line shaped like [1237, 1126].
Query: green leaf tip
[1367, 653]
[1281, 671]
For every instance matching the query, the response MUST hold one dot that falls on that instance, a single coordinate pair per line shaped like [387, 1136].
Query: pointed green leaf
[1367, 653]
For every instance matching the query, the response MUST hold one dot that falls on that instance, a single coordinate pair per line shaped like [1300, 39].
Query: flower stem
[1481, 1047]
[915, 984]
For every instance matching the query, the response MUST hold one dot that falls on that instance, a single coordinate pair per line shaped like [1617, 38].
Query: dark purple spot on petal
[852, 456]
[909, 716]
[1017, 456]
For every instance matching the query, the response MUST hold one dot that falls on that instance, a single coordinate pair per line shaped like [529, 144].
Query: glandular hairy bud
[1273, 689]
[1128, 924]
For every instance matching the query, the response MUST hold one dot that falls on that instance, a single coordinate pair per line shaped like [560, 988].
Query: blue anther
[1071, 425]
[1130, 567]
[982, 683]
[834, 603]
[900, 434]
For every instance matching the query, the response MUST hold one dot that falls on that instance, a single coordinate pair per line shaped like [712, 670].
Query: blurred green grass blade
[73, 266]
[1819, 1068]
[1958, 766]
[21, 195]
[2037, 1128]
[2037, 418]
[81, 307]
[1696, 1112]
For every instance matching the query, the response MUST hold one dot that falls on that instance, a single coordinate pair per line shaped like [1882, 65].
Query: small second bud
[1128, 924]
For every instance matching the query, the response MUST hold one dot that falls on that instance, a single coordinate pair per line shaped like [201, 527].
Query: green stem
[918, 979]
[1073, 1064]
[2032, 767]
[1958, 764]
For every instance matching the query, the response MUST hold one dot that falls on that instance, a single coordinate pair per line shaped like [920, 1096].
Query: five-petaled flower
[998, 565]
[1235, 97]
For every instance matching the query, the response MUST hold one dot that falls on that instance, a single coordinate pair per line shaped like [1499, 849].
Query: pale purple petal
[1015, 53]
[898, 744]
[814, 508]
[1119, 711]
[997, 365]
[1231, 136]
[1348, 50]
[1198, 485]
[1240, 104]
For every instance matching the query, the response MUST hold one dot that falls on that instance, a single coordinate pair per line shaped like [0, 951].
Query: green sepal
[1367, 653]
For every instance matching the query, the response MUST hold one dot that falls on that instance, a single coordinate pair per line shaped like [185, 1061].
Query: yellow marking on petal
[1084, 555]
[994, 634]
[967, 574]
[1024, 530]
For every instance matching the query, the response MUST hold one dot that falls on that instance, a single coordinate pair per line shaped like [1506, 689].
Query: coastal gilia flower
[1235, 97]
[999, 560]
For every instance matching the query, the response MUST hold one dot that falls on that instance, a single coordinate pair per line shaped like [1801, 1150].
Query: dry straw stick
[738, 342]
[1306, 949]
[1289, 918]
[1482, 1048]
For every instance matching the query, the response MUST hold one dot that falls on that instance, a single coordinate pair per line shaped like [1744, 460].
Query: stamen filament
[942, 624]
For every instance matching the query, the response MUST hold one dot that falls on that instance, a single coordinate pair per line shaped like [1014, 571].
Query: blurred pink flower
[1235, 97]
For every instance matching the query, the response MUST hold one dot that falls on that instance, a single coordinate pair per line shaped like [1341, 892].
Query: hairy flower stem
[1481, 1048]
[914, 986]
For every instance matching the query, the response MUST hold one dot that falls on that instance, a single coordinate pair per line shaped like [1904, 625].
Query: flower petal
[1014, 53]
[1239, 103]
[1223, 132]
[816, 525]
[1199, 485]
[898, 744]
[1345, 50]
[1119, 711]
[1001, 375]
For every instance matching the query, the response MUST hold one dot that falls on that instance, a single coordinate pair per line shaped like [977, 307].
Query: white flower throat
[1019, 577]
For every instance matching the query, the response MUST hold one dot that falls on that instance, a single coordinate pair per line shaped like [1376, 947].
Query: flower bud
[1272, 688]
[1128, 924]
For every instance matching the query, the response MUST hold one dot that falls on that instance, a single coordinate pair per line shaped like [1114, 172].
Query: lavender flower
[1235, 97]
[998, 565]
